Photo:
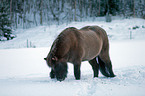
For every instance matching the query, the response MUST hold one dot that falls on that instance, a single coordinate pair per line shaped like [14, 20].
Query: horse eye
[53, 59]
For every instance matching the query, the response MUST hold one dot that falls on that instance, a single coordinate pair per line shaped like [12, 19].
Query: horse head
[58, 65]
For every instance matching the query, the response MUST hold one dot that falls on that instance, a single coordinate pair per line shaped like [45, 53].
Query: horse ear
[45, 58]
[54, 58]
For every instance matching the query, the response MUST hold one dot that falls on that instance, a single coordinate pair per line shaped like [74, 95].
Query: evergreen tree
[5, 23]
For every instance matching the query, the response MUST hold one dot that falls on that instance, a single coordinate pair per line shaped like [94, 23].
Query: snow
[23, 71]
[42, 36]
[3, 38]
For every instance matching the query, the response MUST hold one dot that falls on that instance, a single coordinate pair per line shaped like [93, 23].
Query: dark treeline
[28, 13]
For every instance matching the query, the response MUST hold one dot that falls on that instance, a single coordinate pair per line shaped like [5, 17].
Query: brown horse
[73, 45]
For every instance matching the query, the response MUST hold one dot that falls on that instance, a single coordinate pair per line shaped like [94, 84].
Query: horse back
[101, 33]
[92, 40]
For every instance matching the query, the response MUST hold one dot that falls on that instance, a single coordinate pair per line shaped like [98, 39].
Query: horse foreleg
[52, 74]
[95, 66]
[77, 71]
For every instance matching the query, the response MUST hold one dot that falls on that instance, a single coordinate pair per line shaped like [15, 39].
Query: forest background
[29, 13]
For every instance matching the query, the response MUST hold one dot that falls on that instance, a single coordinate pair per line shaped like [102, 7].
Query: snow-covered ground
[43, 36]
[23, 72]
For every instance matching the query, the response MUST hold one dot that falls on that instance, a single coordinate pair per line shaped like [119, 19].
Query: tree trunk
[62, 5]
[41, 4]
[75, 11]
[11, 10]
[134, 8]
[35, 21]
[99, 9]
[16, 20]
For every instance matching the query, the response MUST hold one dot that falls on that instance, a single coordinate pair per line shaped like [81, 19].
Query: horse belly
[92, 47]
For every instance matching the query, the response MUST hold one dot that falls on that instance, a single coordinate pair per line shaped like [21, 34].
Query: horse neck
[60, 48]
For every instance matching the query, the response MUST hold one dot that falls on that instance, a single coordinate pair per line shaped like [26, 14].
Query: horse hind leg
[95, 66]
[105, 66]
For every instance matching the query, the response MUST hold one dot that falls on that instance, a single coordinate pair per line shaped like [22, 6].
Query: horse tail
[104, 68]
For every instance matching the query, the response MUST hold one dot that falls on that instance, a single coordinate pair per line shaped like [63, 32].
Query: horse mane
[61, 42]
[85, 28]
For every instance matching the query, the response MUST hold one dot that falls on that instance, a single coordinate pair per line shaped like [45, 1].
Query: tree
[5, 22]
[27, 13]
